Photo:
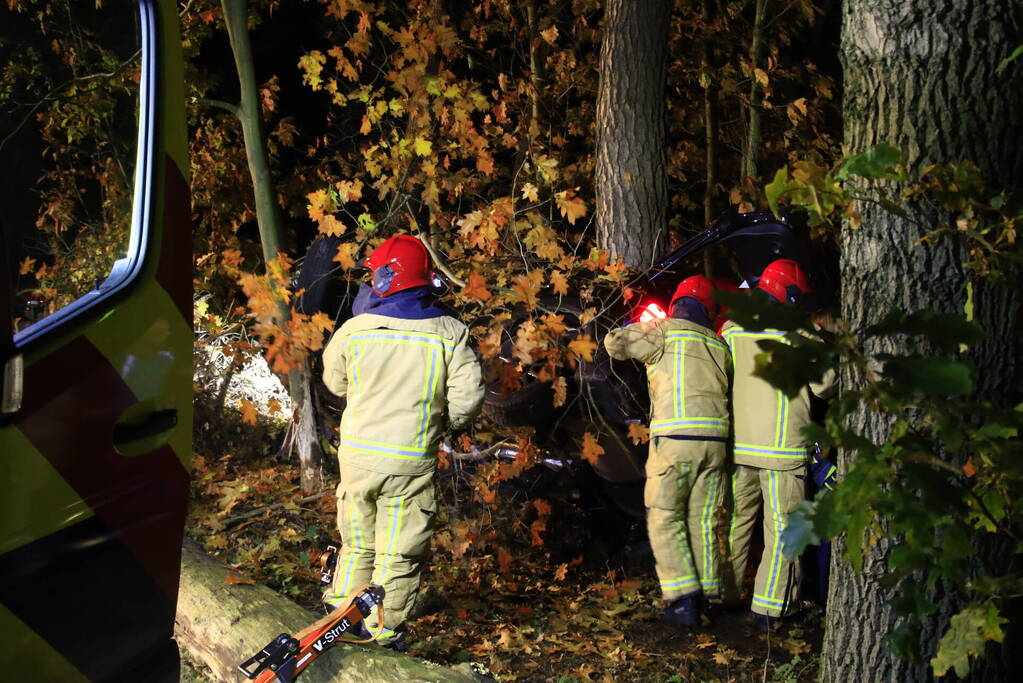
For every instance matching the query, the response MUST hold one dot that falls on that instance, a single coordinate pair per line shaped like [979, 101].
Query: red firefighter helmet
[698, 287]
[786, 281]
[399, 263]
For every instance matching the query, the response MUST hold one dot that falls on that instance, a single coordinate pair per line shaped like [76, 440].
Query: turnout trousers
[385, 521]
[777, 582]
[685, 486]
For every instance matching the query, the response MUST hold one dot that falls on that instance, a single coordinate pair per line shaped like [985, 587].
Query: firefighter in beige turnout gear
[688, 369]
[770, 454]
[405, 368]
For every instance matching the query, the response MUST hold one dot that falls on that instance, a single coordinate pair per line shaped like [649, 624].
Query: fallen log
[222, 624]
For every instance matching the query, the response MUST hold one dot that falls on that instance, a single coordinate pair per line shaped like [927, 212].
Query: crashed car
[609, 394]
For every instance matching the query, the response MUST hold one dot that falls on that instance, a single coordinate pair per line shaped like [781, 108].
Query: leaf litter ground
[498, 590]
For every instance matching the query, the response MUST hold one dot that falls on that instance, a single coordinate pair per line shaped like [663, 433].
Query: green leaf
[966, 637]
[791, 367]
[755, 310]
[904, 640]
[927, 375]
[997, 431]
[1008, 60]
[878, 162]
[777, 188]
[911, 600]
[798, 532]
[946, 330]
[366, 222]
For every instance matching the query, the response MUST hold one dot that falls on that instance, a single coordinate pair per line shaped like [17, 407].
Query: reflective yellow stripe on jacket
[400, 378]
[767, 423]
[687, 374]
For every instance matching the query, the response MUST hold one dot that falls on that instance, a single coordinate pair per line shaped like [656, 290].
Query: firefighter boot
[684, 611]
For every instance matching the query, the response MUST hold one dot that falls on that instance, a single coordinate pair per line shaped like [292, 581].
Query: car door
[95, 428]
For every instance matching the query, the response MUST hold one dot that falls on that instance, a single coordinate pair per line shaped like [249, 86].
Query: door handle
[155, 423]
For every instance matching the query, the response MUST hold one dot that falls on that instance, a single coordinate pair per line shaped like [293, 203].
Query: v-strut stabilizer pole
[286, 656]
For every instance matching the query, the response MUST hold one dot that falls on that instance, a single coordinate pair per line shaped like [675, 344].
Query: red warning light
[652, 312]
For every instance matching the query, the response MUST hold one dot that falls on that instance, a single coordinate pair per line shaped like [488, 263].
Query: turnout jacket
[401, 377]
[688, 369]
[767, 423]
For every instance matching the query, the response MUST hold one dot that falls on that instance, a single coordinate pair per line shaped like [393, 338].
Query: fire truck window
[70, 78]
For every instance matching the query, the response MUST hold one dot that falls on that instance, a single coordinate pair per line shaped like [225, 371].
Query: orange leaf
[504, 560]
[639, 432]
[27, 265]
[543, 508]
[571, 207]
[535, 529]
[526, 287]
[248, 409]
[346, 255]
[559, 282]
[550, 35]
[476, 288]
[560, 392]
[969, 469]
[561, 572]
[592, 450]
[322, 321]
[583, 347]
[231, 257]
[232, 579]
[273, 406]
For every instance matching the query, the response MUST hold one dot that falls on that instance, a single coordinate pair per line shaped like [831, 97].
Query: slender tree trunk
[756, 93]
[271, 233]
[920, 75]
[536, 71]
[710, 117]
[631, 184]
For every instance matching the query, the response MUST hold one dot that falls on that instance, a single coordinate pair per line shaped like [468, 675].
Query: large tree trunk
[631, 184]
[921, 75]
[271, 233]
[223, 624]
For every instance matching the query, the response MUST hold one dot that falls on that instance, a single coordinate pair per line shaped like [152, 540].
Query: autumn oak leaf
[346, 254]
[530, 192]
[571, 207]
[559, 282]
[639, 433]
[550, 35]
[476, 288]
[592, 450]
[582, 347]
[527, 287]
[248, 410]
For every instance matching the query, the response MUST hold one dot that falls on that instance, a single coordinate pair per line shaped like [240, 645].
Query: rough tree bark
[268, 216]
[756, 93]
[631, 184]
[222, 625]
[921, 75]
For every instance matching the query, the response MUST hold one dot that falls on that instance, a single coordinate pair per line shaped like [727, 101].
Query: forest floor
[537, 594]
